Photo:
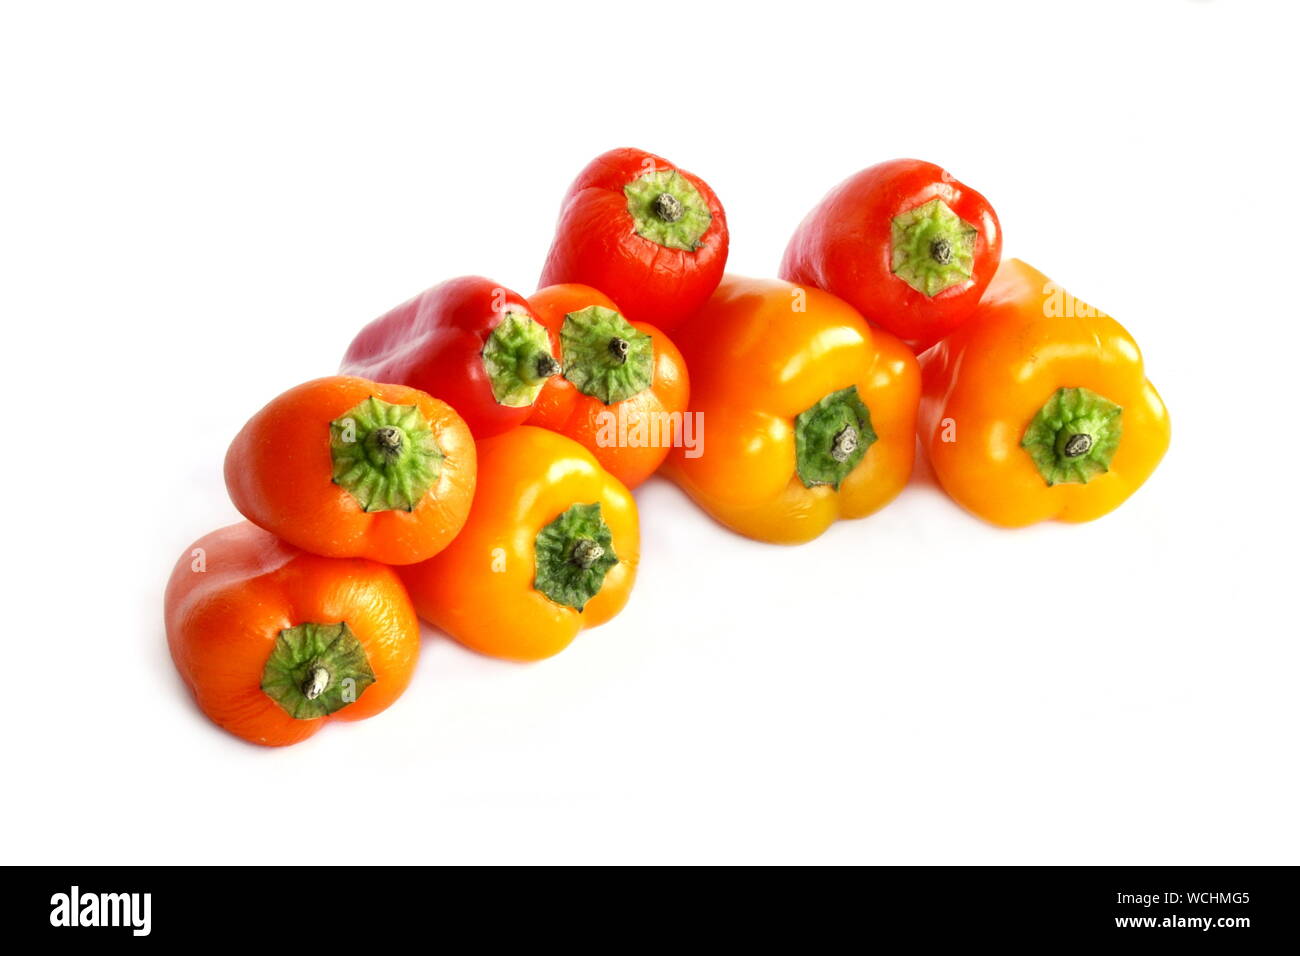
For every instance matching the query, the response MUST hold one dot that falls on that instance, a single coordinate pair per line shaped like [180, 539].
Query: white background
[202, 203]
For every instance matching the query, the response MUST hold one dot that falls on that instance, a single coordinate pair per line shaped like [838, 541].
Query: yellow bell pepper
[1038, 406]
[808, 414]
[551, 548]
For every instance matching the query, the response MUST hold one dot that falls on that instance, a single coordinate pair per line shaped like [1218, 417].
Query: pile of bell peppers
[471, 463]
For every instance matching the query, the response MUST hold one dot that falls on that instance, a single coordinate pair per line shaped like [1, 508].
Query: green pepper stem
[1077, 445]
[586, 552]
[845, 443]
[932, 248]
[389, 440]
[547, 365]
[832, 437]
[316, 669]
[517, 359]
[1073, 437]
[574, 553]
[668, 207]
[386, 456]
[317, 679]
[604, 355]
[668, 210]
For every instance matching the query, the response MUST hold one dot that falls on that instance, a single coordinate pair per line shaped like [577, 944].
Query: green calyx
[933, 248]
[667, 209]
[831, 438]
[574, 553]
[518, 360]
[316, 669]
[604, 356]
[1074, 436]
[384, 455]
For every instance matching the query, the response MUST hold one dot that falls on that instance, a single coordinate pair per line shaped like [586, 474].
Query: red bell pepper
[623, 385]
[649, 235]
[903, 242]
[471, 342]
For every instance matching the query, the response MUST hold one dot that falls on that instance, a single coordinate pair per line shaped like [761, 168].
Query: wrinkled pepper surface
[469, 341]
[344, 467]
[623, 385]
[905, 243]
[809, 415]
[647, 233]
[1039, 407]
[274, 642]
[551, 548]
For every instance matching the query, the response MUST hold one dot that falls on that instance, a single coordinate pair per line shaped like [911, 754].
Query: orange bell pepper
[343, 467]
[274, 642]
[808, 414]
[623, 387]
[551, 547]
[1038, 407]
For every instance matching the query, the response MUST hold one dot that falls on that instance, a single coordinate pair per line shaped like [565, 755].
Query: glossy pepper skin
[647, 233]
[535, 528]
[1039, 408]
[903, 242]
[344, 467]
[604, 357]
[261, 631]
[468, 341]
[779, 391]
